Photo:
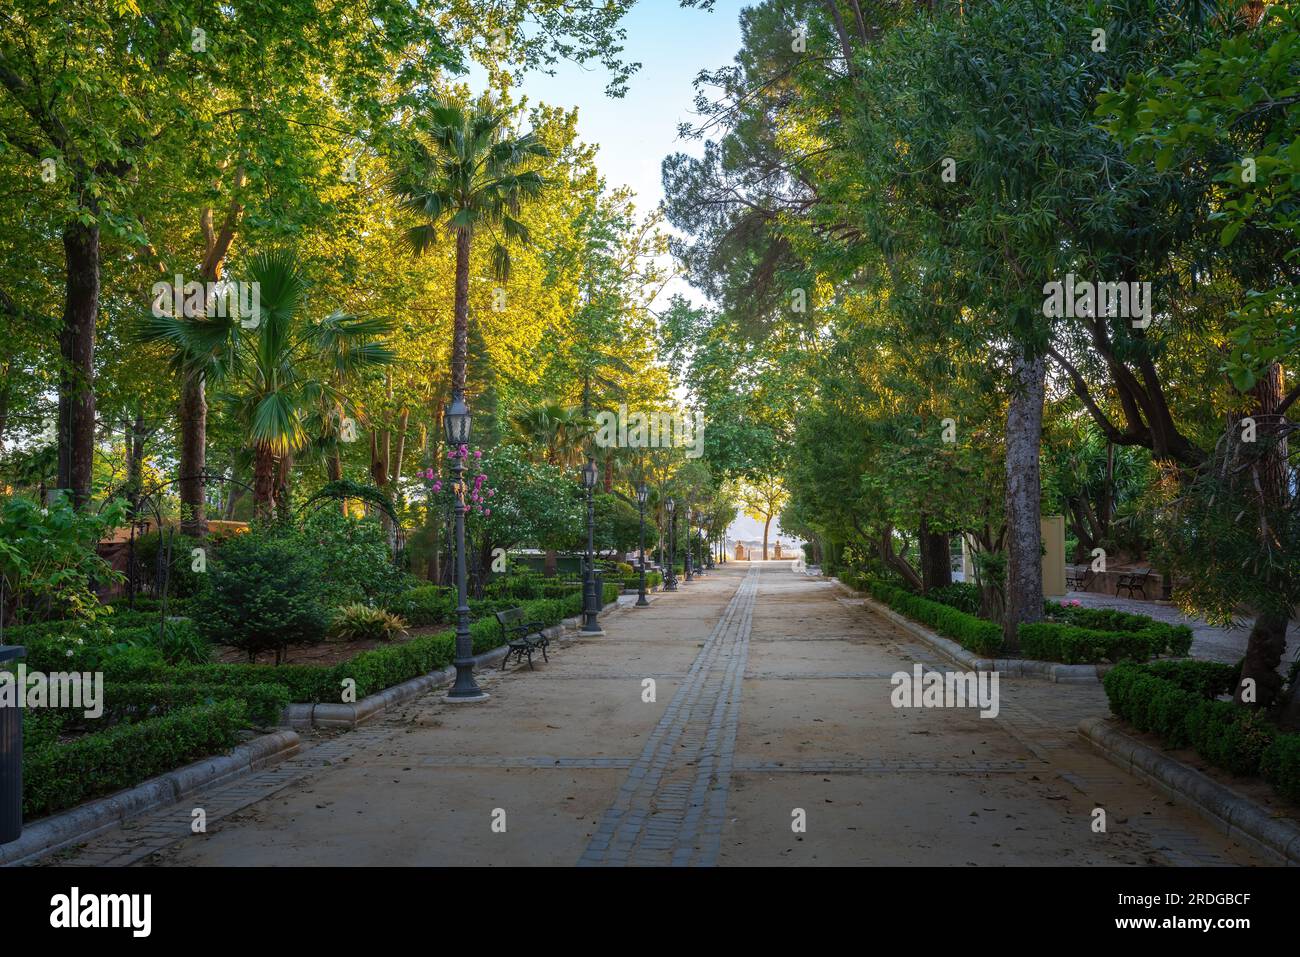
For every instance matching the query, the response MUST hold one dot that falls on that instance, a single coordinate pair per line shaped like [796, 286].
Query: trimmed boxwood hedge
[1177, 701]
[973, 634]
[164, 716]
[58, 775]
[1071, 644]
[1091, 636]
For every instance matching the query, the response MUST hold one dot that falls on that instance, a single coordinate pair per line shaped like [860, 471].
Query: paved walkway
[771, 705]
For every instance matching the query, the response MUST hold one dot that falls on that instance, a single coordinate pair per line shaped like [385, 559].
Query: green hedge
[1071, 644]
[1176, 700]
[972, 633]
[169, 715]
[58, 775]
[373, 670]
[1090, 636]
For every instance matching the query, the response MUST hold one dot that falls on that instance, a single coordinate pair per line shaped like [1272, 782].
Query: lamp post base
[465, 699]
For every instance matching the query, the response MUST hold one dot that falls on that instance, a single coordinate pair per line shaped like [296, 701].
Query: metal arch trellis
[166, 539]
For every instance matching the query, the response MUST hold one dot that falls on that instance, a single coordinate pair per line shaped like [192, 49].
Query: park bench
[1077, 580]
[521, 637]
[1133, 581]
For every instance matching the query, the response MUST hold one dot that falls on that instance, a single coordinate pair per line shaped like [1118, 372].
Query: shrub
[1176, 701]
[60, 775]
[973, 634]
[964, 596]
[48, 563]
[182, 580]
[126, 702]
[356, 563]
[257, 596]
[358, 622]
[1280, 765]
[426, 605]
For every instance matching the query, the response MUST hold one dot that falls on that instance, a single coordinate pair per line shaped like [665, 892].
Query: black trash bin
[11, 758]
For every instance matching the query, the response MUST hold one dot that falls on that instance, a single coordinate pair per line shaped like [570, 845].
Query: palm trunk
[76, 439]
[460, 329]
[1024, 595]
[263, 483]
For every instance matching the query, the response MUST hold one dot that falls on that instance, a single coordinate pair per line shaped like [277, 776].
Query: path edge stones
[1011, 667]
[1230, 812]
[85, 821]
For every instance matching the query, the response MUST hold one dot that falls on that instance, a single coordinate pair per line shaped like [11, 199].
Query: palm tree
[274, 394]
[466, 174]
[554, 428]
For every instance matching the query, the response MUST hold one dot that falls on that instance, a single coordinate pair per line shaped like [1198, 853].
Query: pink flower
[437, 486]
[478, 453]
[487, 511]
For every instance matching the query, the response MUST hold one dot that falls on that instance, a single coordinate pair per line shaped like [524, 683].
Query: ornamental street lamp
[590, 626]
[671, 505]
[690, 513]
[642, 494]
[457, 422]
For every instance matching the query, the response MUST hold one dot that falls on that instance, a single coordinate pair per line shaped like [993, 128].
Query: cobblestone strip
[882, 766]
[684, 772]
[151, 833]
[474, 761]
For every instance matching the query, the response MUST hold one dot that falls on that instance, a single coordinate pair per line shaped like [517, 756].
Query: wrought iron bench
[1133, 581]
[521, 637]
[1076, 580]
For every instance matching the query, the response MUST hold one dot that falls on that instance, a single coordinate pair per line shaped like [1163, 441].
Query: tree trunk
[194, 434]
[263, 483]
[460, 329]
[936, 561]
[76, 438]
[551, 563]
[766, 524]
[135, 460]
[1267, 642]
[1024, 594]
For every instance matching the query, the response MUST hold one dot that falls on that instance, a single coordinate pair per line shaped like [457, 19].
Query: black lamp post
[689, 514]
[671, 580]
[590, 626]
[642, 494]
[457, 421]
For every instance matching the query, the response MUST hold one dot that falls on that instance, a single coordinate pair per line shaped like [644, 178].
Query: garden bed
[162, 715]
[1079, 636]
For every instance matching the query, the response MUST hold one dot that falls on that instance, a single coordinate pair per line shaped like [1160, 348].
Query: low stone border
[1234, 814]
[1013, 667]
[81, 823]
[328, 715]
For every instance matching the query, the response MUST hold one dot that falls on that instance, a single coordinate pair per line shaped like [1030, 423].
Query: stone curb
[79, 824]
[1234, 814]
[1012, 667]
[329, 715]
